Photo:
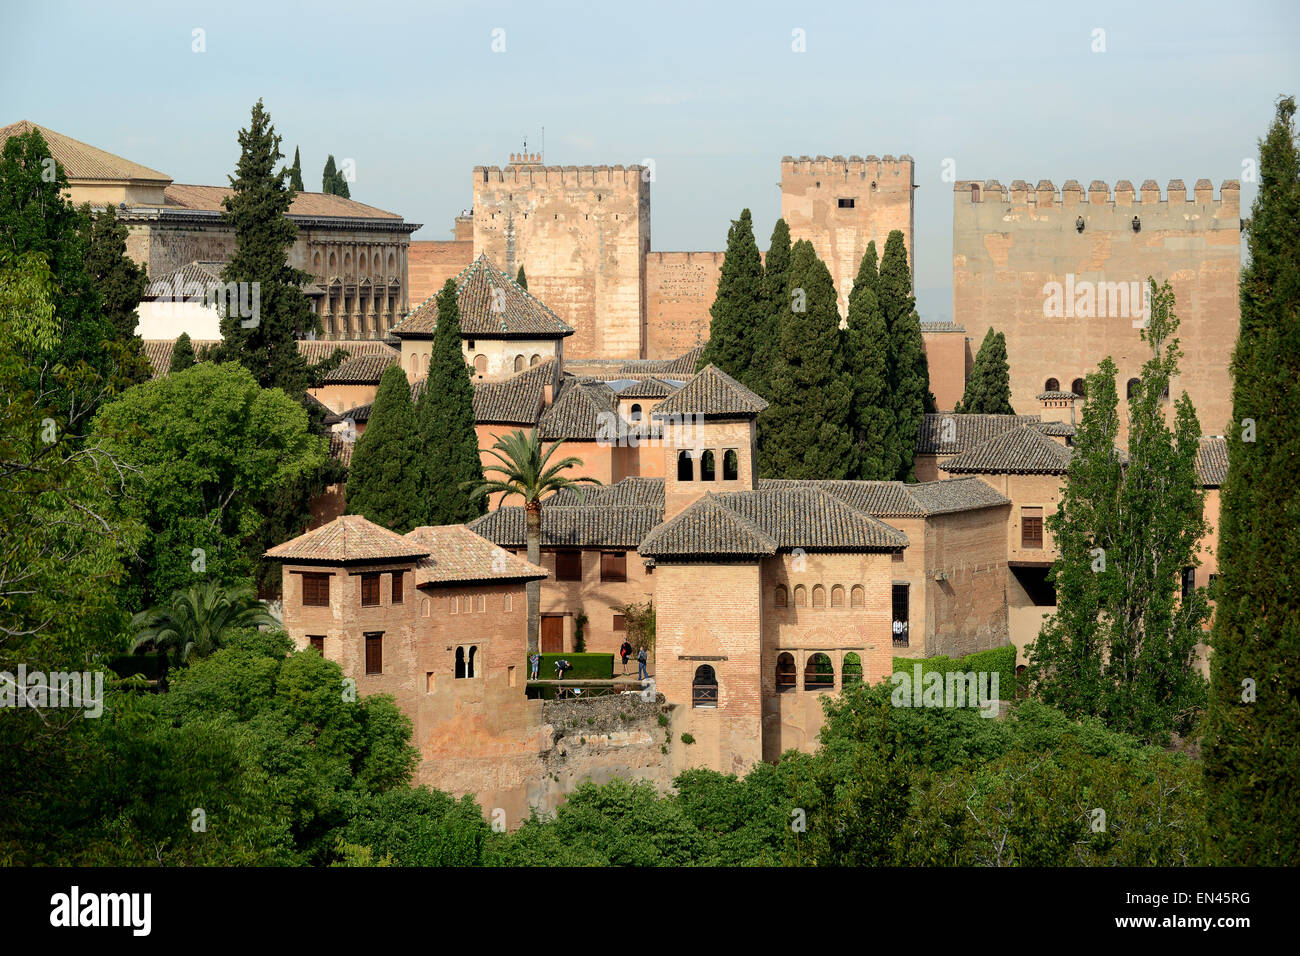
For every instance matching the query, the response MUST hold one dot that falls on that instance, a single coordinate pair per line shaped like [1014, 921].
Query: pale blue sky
[712, 92]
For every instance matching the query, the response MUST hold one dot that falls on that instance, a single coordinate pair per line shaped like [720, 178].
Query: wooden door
[552, 634]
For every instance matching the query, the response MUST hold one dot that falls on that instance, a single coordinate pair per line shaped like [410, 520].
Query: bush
[999, 659]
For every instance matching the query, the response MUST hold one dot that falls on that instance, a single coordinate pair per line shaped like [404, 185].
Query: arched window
[634, 413]
[707, 470]
[730, 465]
[704, 689]
[1051, 385]
[685, 466]
[852, 669]
[480, 364]
[460, 663]
[837, 596]
[1133, 385]
[819, 596]
[424, 361]
[535, 360]
[1079, 388]
[361, 263]
[469, 667]
[781, 596]
[415, 366]
[800, 596]
[818, 673]
[785, 672]
[858, 596]
[519, 363]
[974, 192]
[425, 607]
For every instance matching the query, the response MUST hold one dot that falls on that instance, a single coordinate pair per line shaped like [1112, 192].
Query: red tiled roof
[347, 539]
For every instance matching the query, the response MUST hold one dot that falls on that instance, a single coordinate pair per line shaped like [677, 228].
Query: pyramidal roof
[708, 527]
[83, 161]
[711, 391]
[1023, 451]
[346, 539]
[458, 555]
[492, 305]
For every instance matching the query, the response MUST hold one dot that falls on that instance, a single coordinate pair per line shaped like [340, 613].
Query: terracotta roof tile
[361, 370]
[312, 205]
[708, 527]
[582, 411]
[1212, 461]
[949, 433]
[83, 161]
[1021, 451]
[684, 365]
[711, 392]
[347, 539]
[517, 400]
[159, 353]
[458, 555]
[492, 305]
[575, 527]
[896, 499]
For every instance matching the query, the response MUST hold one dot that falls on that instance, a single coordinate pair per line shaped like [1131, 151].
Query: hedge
[585, 666]
[1000, 659]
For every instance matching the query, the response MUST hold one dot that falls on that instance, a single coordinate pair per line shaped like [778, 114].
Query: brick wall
[433, 262]
[680, 289]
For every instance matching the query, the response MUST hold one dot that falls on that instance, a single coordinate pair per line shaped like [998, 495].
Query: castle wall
[967, 610]
[680, 289]
[581, 234]
[433, 262]
[1009, 244]
[946, 355]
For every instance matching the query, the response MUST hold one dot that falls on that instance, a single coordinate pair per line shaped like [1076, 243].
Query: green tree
[329, 177]
[737, 311]
[988, 391]
[295, 172]
[776, 288]
[910, 381]
[866, 360]
[197, 621]
[182, 353]
[1122, 643]
[526, 470]
[383, 482]
[1252, 742]
[449, 458]
[121, 284]
[522, 279]
[808, 432]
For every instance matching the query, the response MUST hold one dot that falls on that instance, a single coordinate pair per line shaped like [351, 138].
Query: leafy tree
[204, 448]
[448, 444]
[866, 360]
[295, 172]
[197, 620]
[639, 623]
[1252, 742]
[910, 381]
[522, 279]
[988, 391]
[416, 826]
[526, 470]
[737, 311]
[182, 353]
[383, 482]
[808, 429]
[1122, 644]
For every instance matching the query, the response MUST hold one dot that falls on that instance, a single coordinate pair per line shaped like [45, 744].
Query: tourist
[535, 662]
[640, 664]
[625, 651]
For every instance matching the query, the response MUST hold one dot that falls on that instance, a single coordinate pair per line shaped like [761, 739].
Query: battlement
[527, 174]
[796, 166]
[525, 159]
[1045, 195]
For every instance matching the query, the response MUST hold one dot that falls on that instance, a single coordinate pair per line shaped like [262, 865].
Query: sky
[417, 94]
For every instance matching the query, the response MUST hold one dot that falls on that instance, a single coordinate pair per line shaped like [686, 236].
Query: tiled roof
[314, 205]
[711, 391]
[684, 365]
[346, 539]
[941, 326]
[576, 527]
[83, 161]
[180, 282]
[361, 370]
[341, 448]
[582, 411]
[643, 387]
[358, 413]
[949, 433]
[318, 350]
[708, 527]
[628, 493]
[1056, 429]
[1058, 396]
[159, 352]
[1212, 461]
[515, 401]
[458, 555]
[492, 305]
[1021, 451]
[895, 499]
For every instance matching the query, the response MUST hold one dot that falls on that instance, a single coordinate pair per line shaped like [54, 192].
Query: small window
[469, 665]
[398, 595]
[316, 590]
[1051, 385]
[481, 603]
[852, 669]
[1133, 385]
[785, 672]
[613, 565]
[800, 596]
[901, 602]
[818, 673]
[425, 607]
[847, 203]
[375, 653]
[535, 360]
[1189, 582]
[781, 597]
[1031, 528]
[730, 465]
[453, 604]
[819, 596]
[1079, 387]
[509, 602]
[568, 565]
[896, 557]
[858, 596]
[704, 688]
[519, 363]
[620, 622]
[471, 345]
[685, 466]
[480, 364]
[837, 596]
[707, 470]
[634, 413]
[318, 642]
[460, 663]
[974, 192]
[369, 590]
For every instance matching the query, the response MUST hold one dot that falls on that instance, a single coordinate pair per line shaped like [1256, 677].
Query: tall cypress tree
[522, 279]
[776, 275]
[988, 392]
[1121, 645]
[448, 444]
[910, 378]
[258, 207]
[182, 353]
[383, 479]
[808, 431]
[737, 311]
[295, 172]
[866, 360]
[121, 284]
[329, 177]
[1252, 743]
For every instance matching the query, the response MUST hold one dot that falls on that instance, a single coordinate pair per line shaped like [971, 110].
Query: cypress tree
[866, 360]
[1252, 744]
[383, 480]
[776, 275]
[182, 353]
[910, 376]
[1121, 645]
[264, 234]
[988, 392]
[737, 311]
[295, 172]
[121, 284]
[522, 279]
[329, 178]
[808, 431]
[448, 444]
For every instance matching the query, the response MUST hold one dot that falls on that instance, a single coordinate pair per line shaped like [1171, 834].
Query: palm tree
[196, 620]
[526, 471]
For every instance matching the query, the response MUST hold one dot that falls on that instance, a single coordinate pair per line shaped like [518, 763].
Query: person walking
[625, 651]
[640, 664]
[534, 662]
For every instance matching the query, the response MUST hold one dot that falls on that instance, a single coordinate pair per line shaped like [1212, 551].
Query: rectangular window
[897, 557]
[1031, 528]
[1189, 582]
[568, 565]
[397, 587]
[375, 652]
[613, 565]
[369, 590]
[848, 203]
[318, 642]
[316, 590]
[620, 622]
[482, 602]
[509, 602]
[901, 601]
